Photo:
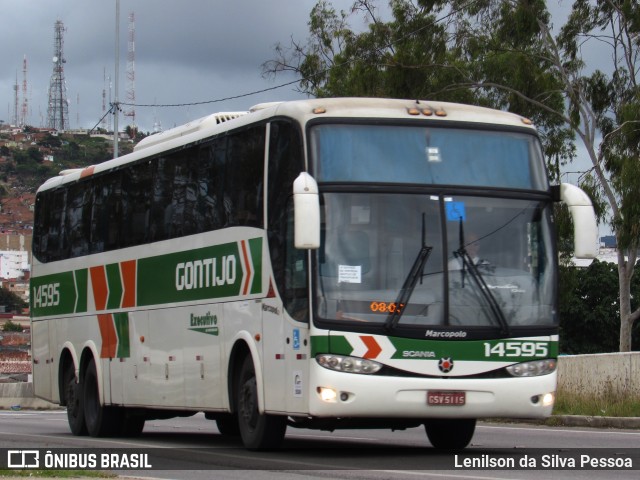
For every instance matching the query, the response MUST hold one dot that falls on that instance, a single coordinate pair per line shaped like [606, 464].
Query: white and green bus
[323, 264]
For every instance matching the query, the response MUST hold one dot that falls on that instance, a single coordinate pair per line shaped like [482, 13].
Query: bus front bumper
[337, 394]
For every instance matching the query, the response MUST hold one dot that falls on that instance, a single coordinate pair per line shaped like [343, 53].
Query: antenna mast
[131, 72]
[25, 101]
[16, 88]
[58, 110]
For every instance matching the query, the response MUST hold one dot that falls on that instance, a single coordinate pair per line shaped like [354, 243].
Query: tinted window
[195, 189]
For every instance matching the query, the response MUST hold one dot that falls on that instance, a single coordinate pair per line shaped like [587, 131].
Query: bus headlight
[533, 369]
[346, 364]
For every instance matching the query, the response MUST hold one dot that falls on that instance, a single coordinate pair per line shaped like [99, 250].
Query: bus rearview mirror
[585, 227]
[306, 206]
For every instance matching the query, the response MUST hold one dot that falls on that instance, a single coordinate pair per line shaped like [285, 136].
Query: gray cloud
[187, 51]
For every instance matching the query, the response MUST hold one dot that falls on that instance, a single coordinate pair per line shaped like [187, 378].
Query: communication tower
[131, 72]
[16, 89]
[25, 102]
[58, 109]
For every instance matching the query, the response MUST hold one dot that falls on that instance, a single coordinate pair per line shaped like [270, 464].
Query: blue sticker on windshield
[455, 211]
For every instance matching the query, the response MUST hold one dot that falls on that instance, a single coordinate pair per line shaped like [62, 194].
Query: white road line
[564, 430]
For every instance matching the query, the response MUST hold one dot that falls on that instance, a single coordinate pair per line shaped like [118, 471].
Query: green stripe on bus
[81, 280]
[121, 322]
[204, 273]
[53, 294]
[486, 350]
[502, 350]
[114, 281]
[255, 247]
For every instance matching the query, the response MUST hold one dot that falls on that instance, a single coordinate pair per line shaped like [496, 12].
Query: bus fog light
[548, 399]
[327, 394]
[533, 369]
[342, 363]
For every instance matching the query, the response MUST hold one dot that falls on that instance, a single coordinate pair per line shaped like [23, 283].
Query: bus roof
[303, 111]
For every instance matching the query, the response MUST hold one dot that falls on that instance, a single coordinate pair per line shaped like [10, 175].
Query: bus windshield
[371, 243]
[425, 155]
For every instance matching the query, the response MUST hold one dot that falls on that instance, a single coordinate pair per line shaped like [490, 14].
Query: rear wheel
[450, 434]
[73, 399]
[258, 431]
[102, 421]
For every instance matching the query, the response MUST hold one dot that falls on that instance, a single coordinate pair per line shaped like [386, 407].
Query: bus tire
[258, 431]
[101, 421]
[450, 433]
[73, 399]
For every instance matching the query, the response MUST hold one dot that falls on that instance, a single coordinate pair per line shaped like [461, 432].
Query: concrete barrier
[19, 395]
[600, 375]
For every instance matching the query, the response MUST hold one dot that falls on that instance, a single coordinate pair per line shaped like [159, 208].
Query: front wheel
[258, 431]
[450, 434]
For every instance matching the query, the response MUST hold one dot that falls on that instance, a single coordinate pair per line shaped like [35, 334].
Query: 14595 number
[47, 295]
[516, 349]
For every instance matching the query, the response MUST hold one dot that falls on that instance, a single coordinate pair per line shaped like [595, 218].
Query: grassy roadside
[608, 405]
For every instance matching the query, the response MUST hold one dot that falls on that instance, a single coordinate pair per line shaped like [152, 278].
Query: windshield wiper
[410, 282]
[472, 268]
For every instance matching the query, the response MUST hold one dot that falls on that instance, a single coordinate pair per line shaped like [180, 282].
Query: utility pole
[116, 103]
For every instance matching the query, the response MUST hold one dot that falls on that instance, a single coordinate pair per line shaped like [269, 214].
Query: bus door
[274, 354]
[286, 356]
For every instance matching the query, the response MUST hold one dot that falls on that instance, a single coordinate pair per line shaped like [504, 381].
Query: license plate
[446, 398]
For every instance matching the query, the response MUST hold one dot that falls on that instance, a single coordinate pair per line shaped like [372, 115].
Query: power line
[347, 62]
[217, 100]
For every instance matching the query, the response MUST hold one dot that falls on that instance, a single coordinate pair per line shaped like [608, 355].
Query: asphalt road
[193, 449]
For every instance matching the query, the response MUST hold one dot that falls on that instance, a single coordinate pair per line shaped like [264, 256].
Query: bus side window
[244, 175]
[57, 243]
[49, 225]
[135, 194]
[289, 264]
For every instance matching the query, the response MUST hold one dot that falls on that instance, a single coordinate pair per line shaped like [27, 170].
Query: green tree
[604, 111]
[10, 326]
[503, 54]
[11, 301]
[590, 307]
[51, 141]
[438, 50]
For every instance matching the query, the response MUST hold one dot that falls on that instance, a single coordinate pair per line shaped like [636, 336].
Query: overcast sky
[185, 51]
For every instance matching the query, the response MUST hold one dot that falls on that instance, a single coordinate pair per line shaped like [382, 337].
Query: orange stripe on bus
[87, 171]
[100, 288]
[247, 281]
[128, 270]
[108, 334]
